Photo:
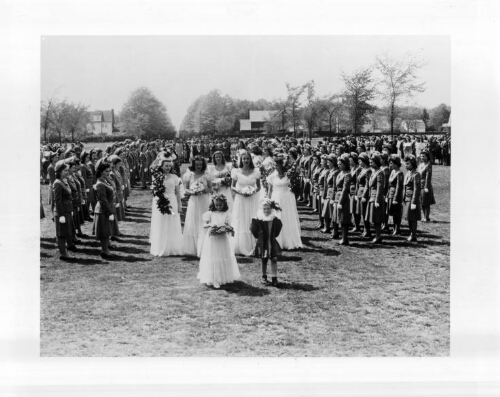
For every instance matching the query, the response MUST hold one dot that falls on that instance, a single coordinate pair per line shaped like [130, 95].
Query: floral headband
[219, 197]
[273, 204]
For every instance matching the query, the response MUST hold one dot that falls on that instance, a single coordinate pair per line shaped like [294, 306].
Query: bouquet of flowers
[247, 191]
[226, 180]
[264, 173]
[216, 184]
[197, 188]
[294, 181]
[158, 191]
[217, 230]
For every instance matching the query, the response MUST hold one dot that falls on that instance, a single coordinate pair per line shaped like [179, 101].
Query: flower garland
[264, 173]
[294, 180]
[158, 191]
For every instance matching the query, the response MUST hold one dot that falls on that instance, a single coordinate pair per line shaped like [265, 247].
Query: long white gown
[197, 206]
[215, 176]
[244, 209]
[267, 163]
[289, 238]
[165, 234]
[218, 264]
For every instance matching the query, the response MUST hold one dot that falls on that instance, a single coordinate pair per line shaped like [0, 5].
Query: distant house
[377, 123]
[261, 121]
[413, 126]
[102, 122]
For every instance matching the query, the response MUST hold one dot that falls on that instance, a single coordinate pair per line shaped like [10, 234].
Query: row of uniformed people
[362, 189]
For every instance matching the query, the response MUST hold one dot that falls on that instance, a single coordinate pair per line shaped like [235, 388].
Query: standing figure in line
[363, 191]
[375, 211]
[266, 227]
[246, 186]
[395, 194]
[412, 196]
[426, 190]
[63, 209]
[355, 171]
[198, 189]
[166, 232]
[341, 207]
[218, 265]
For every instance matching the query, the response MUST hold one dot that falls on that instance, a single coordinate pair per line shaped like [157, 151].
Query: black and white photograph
[245, 196]
[250, 198]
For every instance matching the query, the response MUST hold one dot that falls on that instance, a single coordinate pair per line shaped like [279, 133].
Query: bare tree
[293, 105]
[360, 89]
[398, 81]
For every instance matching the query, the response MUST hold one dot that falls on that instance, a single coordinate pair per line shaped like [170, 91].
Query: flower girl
[218, 264]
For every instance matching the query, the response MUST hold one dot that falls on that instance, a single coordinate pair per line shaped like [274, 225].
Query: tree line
[391, 81]
[142, 116]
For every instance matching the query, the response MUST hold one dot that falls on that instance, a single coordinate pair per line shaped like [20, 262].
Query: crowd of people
[242, 195]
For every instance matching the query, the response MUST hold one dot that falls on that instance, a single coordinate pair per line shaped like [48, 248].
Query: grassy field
[361, 300]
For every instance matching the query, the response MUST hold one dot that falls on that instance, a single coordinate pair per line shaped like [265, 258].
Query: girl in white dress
[220, 174]
[218, 264]
[266, 168]
[166, 233]
[246, 185]
[198, 188]
[279, 191]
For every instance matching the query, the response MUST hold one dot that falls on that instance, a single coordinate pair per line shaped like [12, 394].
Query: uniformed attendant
[116, 177]
[105, 210]
[76, 199]
[88, 177]
[355, 170]
[412, 196]
[426, 189]
[328, 190]
[305, 165]
[375, 211]
[363, 192]
[63, 208]
[341, 207]
[143, 166]
[321, 189]
[51, 172]
[316, 171]
[384, 167]
[395, 193]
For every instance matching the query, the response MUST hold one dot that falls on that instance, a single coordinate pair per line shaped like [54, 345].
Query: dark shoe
[335, 236]
[264, 280]
[366, 235]
[77, 241]
[355, 230]
[106, 256]
[82, 235]
[396, 232]
[377, 241]
[344, 242]
[111, 247]
[326, 231]
[65, 258]
[116, 239]
[89, 219]
[320, 226]
[412, 239]
[386, 229]
[73, 248]
[274, 281]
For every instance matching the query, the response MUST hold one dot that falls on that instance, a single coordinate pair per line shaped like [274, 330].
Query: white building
[102, 122]
[259, 120]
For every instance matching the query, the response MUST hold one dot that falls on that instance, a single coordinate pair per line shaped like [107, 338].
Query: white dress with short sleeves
[197, 206]
[165, 234]
[218, 264]
[216, 177]
[244, 209]
[289, 238]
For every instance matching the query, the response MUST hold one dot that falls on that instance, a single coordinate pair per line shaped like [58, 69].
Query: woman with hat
[76, 198]
[316, 171]
[384, 167]
[88, 177]
[427, 192]
[375, 211]
[329, 193]
[105, 210]
[355, 170]
[395, 193]
[63, 208]
[51, 172]
[412, 186]
[363, 191]
[116, 177]
[321, 190]
[341, 214]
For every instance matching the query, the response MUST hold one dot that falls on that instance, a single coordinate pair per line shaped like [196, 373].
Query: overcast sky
[102, 71]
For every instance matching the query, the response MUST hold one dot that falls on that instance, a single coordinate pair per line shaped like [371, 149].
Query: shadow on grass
[48, 246]
[244, 289]
[137, 215]
[134, 236]
[137, 220]
[89, 251]
[296, 286]
[48, 239]
[129, 259]
[136, 242]
[189, 258]
[291, 258]
[130, 250]
[369, 245]
[244, 259]
[85, 261]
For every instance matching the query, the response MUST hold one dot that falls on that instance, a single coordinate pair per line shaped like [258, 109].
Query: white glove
[88, 190]
[426, 190]
[377, 205]
[72, 213]
[117, 205]
[123, 187]
[413, 207]
[394, 202]
[339, 206]
[111, 217]
[62, 219]
[363, 200]
[78, 209]
[356, 198]
[83, 202]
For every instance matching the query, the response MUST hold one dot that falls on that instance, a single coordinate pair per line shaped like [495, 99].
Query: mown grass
[385, 300]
